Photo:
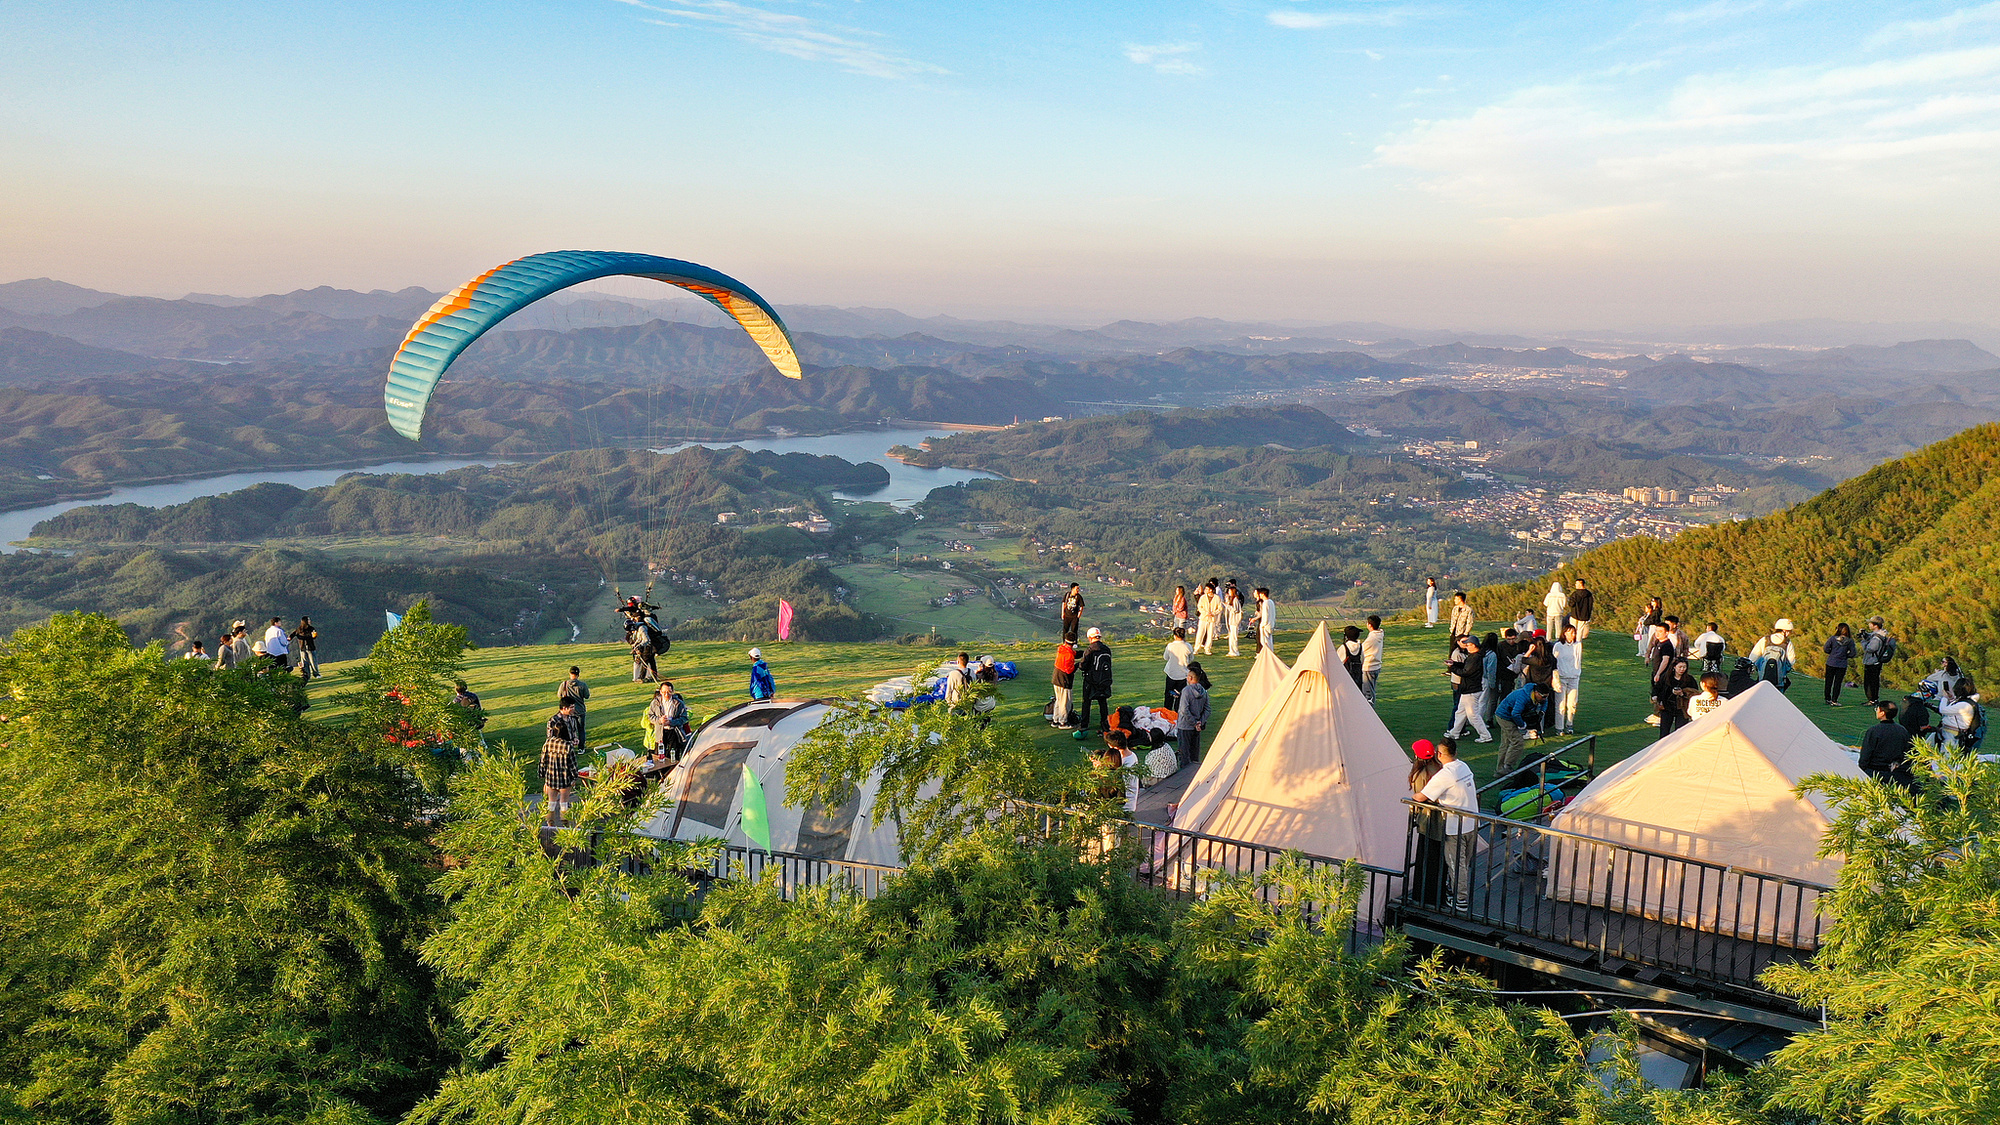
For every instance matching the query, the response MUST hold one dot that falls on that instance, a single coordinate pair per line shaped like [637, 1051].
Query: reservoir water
[906, 486]
[16, 525]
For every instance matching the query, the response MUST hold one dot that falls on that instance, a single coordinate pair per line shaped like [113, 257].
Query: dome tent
[1720, 791]
[707, 789]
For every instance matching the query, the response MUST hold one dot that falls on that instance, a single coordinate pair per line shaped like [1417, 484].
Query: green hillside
[1912, 540]
[517, 686]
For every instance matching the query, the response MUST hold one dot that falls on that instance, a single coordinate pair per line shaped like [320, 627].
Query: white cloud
[786, 33]
[1943, 26]
[1595, 152]
[1365, 17]
[1167, 58]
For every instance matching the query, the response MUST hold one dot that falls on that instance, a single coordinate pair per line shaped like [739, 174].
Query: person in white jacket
[1371, 657]
[1208, 614]
[1431, 603]
[1232, 614]
[1569, 679]
[1267, 617]
[1555, 607]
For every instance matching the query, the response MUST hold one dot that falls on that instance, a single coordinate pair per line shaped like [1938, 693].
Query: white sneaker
[1488, 738]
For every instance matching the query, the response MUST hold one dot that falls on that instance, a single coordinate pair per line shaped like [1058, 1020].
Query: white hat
[1784, 625]
[756, 654]
[1094, 632]
[986, 661]
[238, 624]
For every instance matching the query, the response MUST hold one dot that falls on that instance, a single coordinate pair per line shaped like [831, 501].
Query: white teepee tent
[1315, 770]
[1718, 791]
[1266, 673]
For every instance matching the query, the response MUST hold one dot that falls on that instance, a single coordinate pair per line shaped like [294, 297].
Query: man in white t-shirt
[276, 645]
[1453, 788]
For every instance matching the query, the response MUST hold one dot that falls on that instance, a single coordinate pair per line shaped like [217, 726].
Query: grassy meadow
[517, 686]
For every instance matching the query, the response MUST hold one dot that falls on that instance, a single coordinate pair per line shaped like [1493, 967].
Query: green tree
[211, 907]
[1908, 971]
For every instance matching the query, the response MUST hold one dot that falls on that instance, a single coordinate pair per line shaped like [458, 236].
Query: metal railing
[1540, 766]
[1183, 864]
[1703, 920]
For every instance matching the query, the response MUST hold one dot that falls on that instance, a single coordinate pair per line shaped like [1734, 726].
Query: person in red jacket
[1064, 680]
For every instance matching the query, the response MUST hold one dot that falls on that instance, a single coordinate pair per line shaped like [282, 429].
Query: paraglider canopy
[464, 314]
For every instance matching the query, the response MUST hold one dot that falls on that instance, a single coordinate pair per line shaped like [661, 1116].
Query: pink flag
[784, 620]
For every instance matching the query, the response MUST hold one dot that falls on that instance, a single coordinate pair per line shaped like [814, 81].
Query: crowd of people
[275, 649]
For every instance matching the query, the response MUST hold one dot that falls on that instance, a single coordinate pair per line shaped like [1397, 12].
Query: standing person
[1709, 699]
[1371, 657]
[1191, 718]
[1427, 874]
[1660, 656]
[1773, 655]
[1461, 616]
[1267, 617]
[225, 652]
[1208, 614]
[1097, 678]
[1709, 648]
[1655, 614]
[1885, 748]
[1555, 609]
[1538, 666]
[666, 722]
[1180, 608]
[1453, 789]
[277, 645]
[1350, 652]
[1176, 656]
[1072, 612]
[1232, 614]
[1063, 681]
[1464, 671]
[1839, 650]
[239, 639]
[559, 748]
[1518, 714]
[1674, 694]
[1877, 649]
[1430, 603]
[1582, 606]
[957, 674]
[1493, 662]
[576, 691]
[762, 684]
[305, 645]
[1569, 678]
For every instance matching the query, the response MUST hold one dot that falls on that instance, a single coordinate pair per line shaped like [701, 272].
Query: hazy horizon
[1537, 169]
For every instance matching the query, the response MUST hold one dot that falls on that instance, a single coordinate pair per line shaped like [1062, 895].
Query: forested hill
[1912, 540]
[1127, 441]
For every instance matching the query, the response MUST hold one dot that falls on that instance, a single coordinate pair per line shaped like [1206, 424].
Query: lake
[907, 484]
[16, 525]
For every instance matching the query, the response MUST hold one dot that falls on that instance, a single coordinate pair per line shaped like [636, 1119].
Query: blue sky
[1475, 165]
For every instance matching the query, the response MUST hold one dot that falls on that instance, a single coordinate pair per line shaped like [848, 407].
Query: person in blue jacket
[762, 686]
[1523, 708]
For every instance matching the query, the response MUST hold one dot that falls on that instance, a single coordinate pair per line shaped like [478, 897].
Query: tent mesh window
[823, 832]
[755, 717]
[712, 783]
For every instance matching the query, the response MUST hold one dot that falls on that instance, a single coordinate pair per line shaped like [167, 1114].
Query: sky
[1494, 166]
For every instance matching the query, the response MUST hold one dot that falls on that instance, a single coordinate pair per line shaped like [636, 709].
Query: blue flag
[395, 619]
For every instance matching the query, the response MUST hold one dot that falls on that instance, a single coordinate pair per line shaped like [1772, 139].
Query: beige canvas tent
[1266, 673]
[1314, 770]
[1719, 791]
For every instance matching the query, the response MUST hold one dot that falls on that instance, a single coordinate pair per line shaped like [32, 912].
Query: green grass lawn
[517, 686]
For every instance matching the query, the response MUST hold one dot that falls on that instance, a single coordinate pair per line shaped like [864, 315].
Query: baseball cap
[1094, 632]
[1423, 749]
[1784, 625]
[756, 654]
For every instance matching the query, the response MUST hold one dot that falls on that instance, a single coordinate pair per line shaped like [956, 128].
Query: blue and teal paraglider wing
[469, 310]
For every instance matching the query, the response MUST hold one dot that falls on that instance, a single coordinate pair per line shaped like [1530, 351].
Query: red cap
[1423, 749]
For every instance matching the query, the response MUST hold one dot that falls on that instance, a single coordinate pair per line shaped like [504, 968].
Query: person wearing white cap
[1774, 656]
[1096, 668]
[762, 686]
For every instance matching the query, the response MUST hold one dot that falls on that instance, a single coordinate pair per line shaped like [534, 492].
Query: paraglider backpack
[1975, 732]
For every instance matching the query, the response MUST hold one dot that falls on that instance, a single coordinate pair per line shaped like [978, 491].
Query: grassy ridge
[1912, 540]
[517, 686]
